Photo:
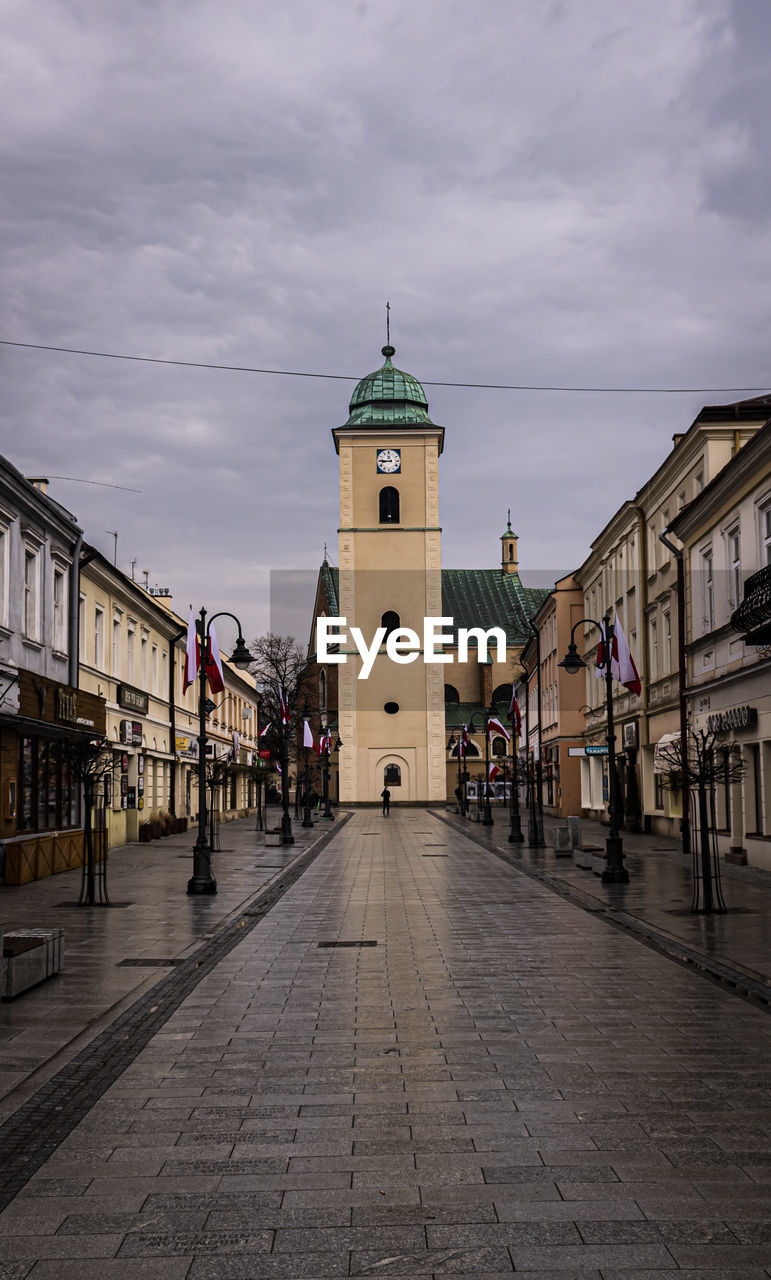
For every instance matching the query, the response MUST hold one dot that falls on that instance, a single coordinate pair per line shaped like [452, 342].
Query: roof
[473, 598]
[488, 598]
[388, 397]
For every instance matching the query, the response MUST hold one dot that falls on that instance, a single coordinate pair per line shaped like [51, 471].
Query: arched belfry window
[391, 621]
[392, 776]
[389, 505]
[501, 694]
[451, 693]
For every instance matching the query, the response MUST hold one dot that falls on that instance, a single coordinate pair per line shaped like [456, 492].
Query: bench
[30, 956]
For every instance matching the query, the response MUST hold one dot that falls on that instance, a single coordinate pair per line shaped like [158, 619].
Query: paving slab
[505, 1084]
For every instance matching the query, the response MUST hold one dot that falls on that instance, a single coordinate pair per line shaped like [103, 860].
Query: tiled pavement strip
[502, 1083]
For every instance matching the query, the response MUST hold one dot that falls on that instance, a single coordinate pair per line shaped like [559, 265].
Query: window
[130, 652]
[471, 749]
[155, 668]
[392, 776]
[511, 551]
[666, 630]
[82, 646]
[681, 500]
[5, 540]
[707, 589]
[164, 672]
[451, 693]
[116, 646]
[391, 621]
[143, 658]
[99, 637]
[31, 608]
[699, 481]
[658, 791]
[499, 746]
[61, 596]
[49, 797]
[654, 653]
[391, 708]
[389, 505]
[765, 533]
[733, 546]
[322, 690]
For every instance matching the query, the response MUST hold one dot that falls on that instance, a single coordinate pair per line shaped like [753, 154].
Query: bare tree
[711, 762]
[279, 667]
[89, 760]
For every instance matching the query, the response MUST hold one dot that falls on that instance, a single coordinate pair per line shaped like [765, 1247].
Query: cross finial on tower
[388, 324]
[508, 517]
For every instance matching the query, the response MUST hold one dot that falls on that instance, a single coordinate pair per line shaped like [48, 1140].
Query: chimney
[40, 482]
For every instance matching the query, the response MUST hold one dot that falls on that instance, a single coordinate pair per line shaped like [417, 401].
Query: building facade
[725, 532]
[44, 716]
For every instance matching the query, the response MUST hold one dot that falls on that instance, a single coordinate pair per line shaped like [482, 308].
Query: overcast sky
[570, 193]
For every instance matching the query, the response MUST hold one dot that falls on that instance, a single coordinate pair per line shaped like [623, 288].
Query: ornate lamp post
[515, 825]
[615, 872]
[307, 819]
[202, 880]
[326, 751]
[458, 742]
[486, 713]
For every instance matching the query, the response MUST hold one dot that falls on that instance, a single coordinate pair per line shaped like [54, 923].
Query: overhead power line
[347, 377]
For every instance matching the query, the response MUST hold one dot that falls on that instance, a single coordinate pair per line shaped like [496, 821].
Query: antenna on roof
[325, 553]
[388, 324]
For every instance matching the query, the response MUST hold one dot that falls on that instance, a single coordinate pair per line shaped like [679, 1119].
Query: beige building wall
[390, 567]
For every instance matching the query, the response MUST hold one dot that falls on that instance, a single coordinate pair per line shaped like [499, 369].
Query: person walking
[386, 796]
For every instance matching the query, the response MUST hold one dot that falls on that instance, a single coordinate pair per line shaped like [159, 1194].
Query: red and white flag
[307, 735]
[622, 666]
[285, 717]
[214, 672]
[514, 715]
[494, 771]
[494, 727]
[622, 662]
[192, 655]
[265, 730]
[324, 744]
[464, 741]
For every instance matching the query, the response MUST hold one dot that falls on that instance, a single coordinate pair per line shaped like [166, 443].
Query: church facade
[394, 704]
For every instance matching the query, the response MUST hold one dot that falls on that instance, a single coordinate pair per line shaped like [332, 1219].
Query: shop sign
[131, 733]
[597, 750]
[734, 718]
[132, 699]
[131, 798]
[629, 735]
[66, 705]
[187, 747]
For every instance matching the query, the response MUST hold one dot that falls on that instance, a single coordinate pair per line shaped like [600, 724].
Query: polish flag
[192, 655]
[285, 717]
[307, 736]
[324, 744]
[494, 727]
[515, 717]
[494, 771]
[622, 662]
[214, 672]
[265, 730]
[464, 741]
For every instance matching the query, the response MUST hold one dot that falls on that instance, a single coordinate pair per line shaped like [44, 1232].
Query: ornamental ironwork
[753, 617]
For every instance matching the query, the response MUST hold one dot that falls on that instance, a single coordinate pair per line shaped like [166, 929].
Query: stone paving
[153, 919]
[502, 1083]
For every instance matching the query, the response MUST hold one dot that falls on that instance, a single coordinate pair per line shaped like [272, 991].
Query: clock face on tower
[389, 460]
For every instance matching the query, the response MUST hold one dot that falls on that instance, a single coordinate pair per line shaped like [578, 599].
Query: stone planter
[582, 858]
[598, 863]
[272, 837]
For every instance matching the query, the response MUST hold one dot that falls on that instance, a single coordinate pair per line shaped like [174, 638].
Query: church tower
[392, 723]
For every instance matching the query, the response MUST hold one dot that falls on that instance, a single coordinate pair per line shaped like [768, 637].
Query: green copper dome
[388, 397]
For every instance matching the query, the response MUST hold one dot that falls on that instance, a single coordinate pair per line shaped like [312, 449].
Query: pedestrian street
[421, 1062]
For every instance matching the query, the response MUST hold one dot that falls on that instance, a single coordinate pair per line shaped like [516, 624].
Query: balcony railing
[753, 617]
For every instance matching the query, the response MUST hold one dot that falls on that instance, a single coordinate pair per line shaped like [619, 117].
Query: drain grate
[731, 911]
[148, 963]
[435, 846]
[368, 942]
[436, 855]
[78, 906]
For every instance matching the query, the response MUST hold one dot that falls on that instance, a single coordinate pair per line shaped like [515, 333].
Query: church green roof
[388, 397]
[481, 598]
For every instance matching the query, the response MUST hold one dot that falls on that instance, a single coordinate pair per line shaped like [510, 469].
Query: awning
[666, 755]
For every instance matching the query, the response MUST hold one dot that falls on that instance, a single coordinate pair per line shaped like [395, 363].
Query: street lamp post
[325, 754]
[515, 824]
[450, 747]
[307, 819]
[486, 712]
[286, 820]
[615, 871]
[202, 880]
